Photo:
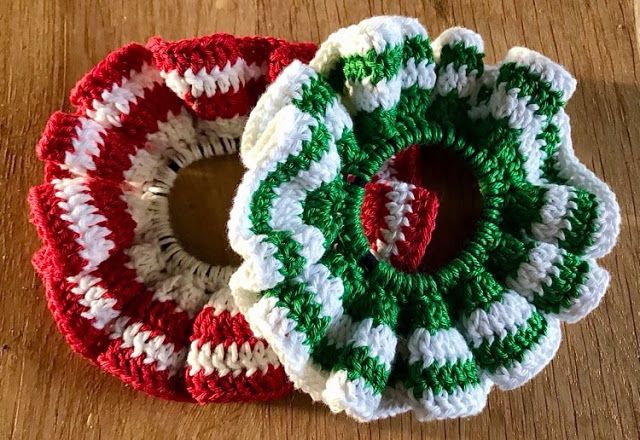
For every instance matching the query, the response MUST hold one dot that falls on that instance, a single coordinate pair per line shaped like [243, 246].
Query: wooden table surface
[591, 389]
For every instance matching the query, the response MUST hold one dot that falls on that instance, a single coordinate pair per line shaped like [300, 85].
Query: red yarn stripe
[222, 329]
[229, 388]
[143, 377]
[115, 67]
[120, 143]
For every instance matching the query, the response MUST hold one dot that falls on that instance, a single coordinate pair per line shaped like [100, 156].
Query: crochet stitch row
[352, 330]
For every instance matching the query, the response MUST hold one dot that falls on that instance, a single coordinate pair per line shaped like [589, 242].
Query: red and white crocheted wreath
[123, 291]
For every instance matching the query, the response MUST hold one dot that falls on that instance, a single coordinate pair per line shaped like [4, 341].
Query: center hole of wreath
[199, 204]
[446, 173]
[443, 173]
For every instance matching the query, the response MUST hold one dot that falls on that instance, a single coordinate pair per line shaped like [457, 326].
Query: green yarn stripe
[494, 354]
[524, 208]
[460, 55]
[441, 379]
[450, 108]
[430, 313]
[509, 255]
[535, 90]
[583, 220]
[480, 291]
[531, 86]
[325, 353]
[374, 128]
[356, 361]
[320, 207]
[385, 65]
[349, 152]
[263, 197]
[315, 96]
[418, 48]
[376, 303]
[551, 137]
[302, 309]
[564, 287]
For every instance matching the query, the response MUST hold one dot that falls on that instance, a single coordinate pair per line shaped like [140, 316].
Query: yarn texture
[373, 338]
[122, 290]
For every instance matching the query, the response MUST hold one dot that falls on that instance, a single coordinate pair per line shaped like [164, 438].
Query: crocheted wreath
[352, 330]
[123, 291]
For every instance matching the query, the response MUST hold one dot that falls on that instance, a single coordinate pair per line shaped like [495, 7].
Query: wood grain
[591, 389]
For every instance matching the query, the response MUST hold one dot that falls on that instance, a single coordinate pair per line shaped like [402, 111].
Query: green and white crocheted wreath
[353, 331]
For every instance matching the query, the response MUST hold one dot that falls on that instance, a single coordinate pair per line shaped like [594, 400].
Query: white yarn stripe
[355, 397]
[503, 317]
[589, 295]
[106, 113]
[535, 359]
[223, 127]
[520, 114]
[100, 309]
[376, 33]
[399, 205]
[287, 87]
[230, 77]
[326, 288]
[287, 208]
[337, 119]
[380, 340]
[576, 173]
[117, 101]
[423, 74]
[85, 220]
[555, 213]
[101, 312]
[231, 360]
[444, 346]
[86, 145]
[154, 349]
[549, 71]
[222, 301]
[459, 403]
[181, 290]
[176, 132]
[387, 171]
[455, 35]
[367, 96]
[542, 263]
[270, 321]
[450, 79]
[283, 136]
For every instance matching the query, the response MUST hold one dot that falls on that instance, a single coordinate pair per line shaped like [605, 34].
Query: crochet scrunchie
[123, 291]
[351, 329]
